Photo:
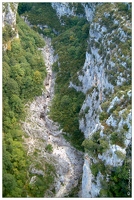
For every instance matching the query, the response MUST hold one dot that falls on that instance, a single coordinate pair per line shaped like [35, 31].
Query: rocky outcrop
[106, 67]
[98, 85]
[42, 131]
[63, 9]
[89, 10]
[9, 11]
[69, 9]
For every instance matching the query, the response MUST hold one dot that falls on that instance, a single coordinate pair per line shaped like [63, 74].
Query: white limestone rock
[63, 9]
[111, 121]
[89, 10]
[110, 157]
[116, 100]
[86, 180]
[9, 11]
[96, 185]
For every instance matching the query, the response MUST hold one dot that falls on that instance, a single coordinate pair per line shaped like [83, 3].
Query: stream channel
[41, 131]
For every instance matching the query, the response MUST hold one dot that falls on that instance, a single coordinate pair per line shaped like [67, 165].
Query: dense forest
[22, 76]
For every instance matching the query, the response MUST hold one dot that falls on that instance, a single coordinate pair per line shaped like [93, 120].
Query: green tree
[6, 157]
[11, 87]
[5, 72]
[9, 184]
[103, 145]
[90, 146]
[16, 104]
[65, 100]
[37, 77]
[17, 73]
[16, 46]
[49, 148]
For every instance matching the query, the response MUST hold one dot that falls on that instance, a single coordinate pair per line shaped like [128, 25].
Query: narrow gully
[67, 160]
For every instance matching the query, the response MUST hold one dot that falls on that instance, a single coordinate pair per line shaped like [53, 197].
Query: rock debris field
[41, 131]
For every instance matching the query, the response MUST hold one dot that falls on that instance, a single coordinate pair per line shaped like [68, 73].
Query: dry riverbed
[41, 131]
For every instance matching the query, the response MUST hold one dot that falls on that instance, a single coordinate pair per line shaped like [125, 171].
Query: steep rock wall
[104, 55]
[63, 9]
[98, 82]
[71, 9]
[9, 11]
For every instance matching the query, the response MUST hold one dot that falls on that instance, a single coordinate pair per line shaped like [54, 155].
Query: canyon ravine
[41, 131]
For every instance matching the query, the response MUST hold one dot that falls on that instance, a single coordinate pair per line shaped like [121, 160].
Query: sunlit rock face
[103, 59]
[63, 9]
[69, 9]
[99, 86]
[9, 11]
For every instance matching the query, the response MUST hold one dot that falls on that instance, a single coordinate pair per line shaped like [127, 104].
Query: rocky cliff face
[71, 9]
[63, 9]
[105, 116]
[9, 11]
[104, 72]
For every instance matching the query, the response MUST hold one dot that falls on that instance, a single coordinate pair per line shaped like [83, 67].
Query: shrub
[103, 193]
[55, 67]
[49, 148]
[125, 126]
[105, 105]
[103, 146]
[94, 169]
[103, 116]
[86, 109]
[118, 138]
[120, 154]
[122, 7]
[90, 147]
[7, 33]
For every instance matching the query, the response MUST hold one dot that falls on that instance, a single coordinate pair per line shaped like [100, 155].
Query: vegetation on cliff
[115, 116]
[70, 44]
[23, 75]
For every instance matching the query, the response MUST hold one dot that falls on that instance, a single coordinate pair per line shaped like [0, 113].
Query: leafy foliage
[41, 183]
[23, 7]
[23, 74]
[24, 71]
[95, 144]
[40, 13]
[49, 148]
[70, 44]
[118, 138]
[67, 102]
[116, 18]
[7, 33]
[119, 182]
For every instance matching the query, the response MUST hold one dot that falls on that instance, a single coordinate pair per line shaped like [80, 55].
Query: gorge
[73, 132]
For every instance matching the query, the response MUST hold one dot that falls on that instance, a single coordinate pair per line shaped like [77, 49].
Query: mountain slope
[92, 94]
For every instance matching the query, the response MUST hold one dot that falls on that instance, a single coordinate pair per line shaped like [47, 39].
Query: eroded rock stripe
[67, 160]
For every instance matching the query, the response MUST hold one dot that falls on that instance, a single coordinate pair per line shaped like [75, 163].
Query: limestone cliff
[105, 78]
[105, 116]
[9, 12]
